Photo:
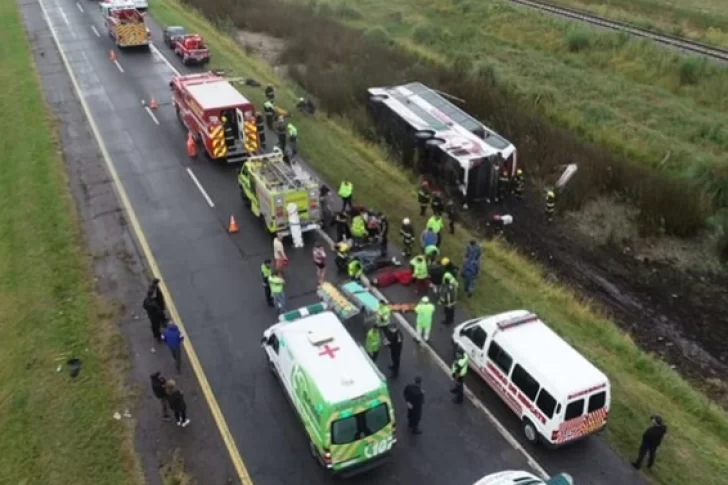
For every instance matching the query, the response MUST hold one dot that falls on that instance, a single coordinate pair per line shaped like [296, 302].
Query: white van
[559, 396]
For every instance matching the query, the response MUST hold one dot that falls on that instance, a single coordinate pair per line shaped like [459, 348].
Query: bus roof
[425, 109]
[215, 93]
[334, 361]
[543, 353]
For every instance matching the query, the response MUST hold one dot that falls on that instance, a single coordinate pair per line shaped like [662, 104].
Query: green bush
[578, 39]
[690, 70]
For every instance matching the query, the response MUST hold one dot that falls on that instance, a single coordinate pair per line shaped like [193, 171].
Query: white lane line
[63, 15]
[80, 8]
[95, 31]
[150, 113]
[121, 69]
[202, 189]
[164, 59]
[446, 369]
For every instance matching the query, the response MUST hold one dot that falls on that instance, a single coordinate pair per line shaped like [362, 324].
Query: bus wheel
[424, 134]
[529, 431]
[378, 98]
[434, 142]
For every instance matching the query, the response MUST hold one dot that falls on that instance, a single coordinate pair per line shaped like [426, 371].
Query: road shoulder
[121, 278]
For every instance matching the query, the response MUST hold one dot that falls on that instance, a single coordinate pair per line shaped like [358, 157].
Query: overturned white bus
[441, 140]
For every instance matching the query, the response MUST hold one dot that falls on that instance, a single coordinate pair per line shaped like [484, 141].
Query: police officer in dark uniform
[394, 341]
[383, 233]
[415, 399]
[424, 197]
[437, 204]
[451, 210]
[341, 220]
[281, 127]
[651, 440]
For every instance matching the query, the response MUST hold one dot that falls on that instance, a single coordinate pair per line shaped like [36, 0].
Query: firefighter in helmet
[550, 205]
[424, 196]
[519, 184]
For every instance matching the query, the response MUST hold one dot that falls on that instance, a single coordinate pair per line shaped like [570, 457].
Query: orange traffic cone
[232, 225]
[191, 146]
[153, 104]
[112, 55]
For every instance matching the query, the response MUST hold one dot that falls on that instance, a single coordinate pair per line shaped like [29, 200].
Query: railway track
[670, 40]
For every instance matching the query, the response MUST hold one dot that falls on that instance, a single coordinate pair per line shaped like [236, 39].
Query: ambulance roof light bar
[516, 321]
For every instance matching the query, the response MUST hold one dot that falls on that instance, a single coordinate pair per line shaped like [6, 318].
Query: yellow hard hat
[550, 193]
[519, 172]
[445, 261]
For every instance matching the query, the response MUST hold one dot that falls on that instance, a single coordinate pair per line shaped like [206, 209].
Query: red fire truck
[220, 118]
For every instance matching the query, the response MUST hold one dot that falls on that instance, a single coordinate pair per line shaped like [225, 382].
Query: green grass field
[630, 96]
[701, 20]
[53, 429]
[641, 384]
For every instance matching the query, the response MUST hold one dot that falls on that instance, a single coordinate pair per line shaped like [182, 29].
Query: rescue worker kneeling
[355, 270]
[342, 256]
[359, 229]
[458, 371]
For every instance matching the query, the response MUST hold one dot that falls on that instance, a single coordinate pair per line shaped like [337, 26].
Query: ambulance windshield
[359, 426]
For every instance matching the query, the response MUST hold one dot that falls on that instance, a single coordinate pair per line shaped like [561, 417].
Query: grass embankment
[53, 429]
[639, 100]
[697, 448]
[701, 20]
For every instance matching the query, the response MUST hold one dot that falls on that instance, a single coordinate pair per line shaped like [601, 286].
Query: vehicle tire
[424, 135]
[434, 142]
[378, 98]
[529, 432]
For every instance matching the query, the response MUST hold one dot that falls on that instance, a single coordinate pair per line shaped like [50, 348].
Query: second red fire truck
[219, 118]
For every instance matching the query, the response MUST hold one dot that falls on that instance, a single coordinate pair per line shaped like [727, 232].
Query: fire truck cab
[219, 118]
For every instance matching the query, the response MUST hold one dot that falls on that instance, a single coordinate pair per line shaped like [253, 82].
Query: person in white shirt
[279, 254]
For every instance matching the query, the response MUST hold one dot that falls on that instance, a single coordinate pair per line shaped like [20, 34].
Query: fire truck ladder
[276, 172]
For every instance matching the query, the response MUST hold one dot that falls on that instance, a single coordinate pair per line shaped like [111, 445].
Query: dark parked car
[172, 34]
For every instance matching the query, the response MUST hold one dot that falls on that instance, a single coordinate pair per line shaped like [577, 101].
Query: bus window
[597, 401]
[574, 410]
[500, 357]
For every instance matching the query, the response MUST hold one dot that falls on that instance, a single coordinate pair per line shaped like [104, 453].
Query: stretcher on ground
[339, 303]
[369, 303]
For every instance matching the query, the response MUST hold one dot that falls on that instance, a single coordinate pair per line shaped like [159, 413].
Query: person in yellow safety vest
[276, 283]
[431, 253]
[384, 314]
[550, 205]
[435, 224]
[420, 274]
[519, 184]
[266, 271]
[373, 342]
[355, 270]
[424, 310]
[459, 370]
[346, 190]
[270, 113]
[450, 272]
[293, 139]
[358, 228]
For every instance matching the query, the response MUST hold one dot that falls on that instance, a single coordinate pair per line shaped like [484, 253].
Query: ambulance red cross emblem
[330, 351]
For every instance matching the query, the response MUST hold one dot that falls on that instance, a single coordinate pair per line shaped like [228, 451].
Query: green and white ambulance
[338, 392]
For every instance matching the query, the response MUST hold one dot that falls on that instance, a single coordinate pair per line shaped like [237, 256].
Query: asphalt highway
[183, 207]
